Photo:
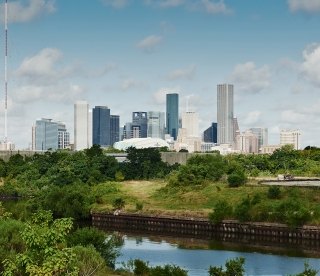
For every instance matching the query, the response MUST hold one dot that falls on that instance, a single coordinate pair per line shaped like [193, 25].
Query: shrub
[221, 210]
[139, 206]
[118, 203]
[237, 179]
[274, 192]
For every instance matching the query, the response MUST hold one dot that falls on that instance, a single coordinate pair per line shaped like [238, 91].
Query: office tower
[140, 119]
[90, 128]
[225, 113]
[81, 125]
[51, 135]
[172, 114]
[63, 136]
[236, 128]
[101, 126]
[247, 142]
[290, 137]
[190, 122]
[210, 134]
[114, 129]
[156, 124]
[127, 131]
[262, 134]
[33, 133]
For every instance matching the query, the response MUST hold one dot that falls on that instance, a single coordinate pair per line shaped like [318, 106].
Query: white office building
[290, 137]
[225, 118]
[190, 122]
[81, 126]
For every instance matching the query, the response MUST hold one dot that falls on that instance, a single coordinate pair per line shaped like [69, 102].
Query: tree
[221, 210]
[237, 179]
[45, 248]
[234, 267]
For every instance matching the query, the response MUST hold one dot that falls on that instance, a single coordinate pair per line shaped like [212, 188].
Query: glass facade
[114, 129]
[101, 126]
[172, 114]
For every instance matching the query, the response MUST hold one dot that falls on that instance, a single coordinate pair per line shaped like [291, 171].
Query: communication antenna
[5, 72]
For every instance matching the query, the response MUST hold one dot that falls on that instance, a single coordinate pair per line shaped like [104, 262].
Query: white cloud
[128, 84]
[252, 118]
[311, 65]
[117, 4]
[149, 43]
[19, 12]
[159, 97]
[310, 6]
[215, 7]
[60, 93]
[44, 68]
[292, 117]
[183, 73]
[165, 3]
[250, 79]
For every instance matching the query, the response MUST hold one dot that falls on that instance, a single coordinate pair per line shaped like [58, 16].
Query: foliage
[237, 179]
[107, 246]
[118, 203]
[221, 210]
[234, 267]
[274, 192]
[308, 271]
[45, 251]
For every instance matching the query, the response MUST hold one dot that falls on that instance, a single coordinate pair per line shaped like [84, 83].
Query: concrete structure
[114, 129]
[156, 124]
[185, 142]
[269, 149]
[172, 114]
[81, 125]
[51, 135]
[90, 128]
[225, 149]
[247, 142]
[140, 120]
[140, 143]
[190, 122]
[101, 126]
[210, 134]
[290, 137]
[206, 147]
[33, 141]
[262, 134]
[225, 118]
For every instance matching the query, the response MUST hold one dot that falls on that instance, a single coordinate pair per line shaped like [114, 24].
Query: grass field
[195, 201]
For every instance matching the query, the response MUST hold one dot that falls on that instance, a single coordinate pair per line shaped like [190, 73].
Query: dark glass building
[172, 114]
[114, 129]
[101, 126]
[210, 134]
[140, 120]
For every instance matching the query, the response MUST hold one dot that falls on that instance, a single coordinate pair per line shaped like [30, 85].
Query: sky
[128, 54]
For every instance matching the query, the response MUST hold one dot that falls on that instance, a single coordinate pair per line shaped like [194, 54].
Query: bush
[221, 210]
[118, 203]
[242, 210]
[237, 179]
[139, 206]
[234, 267]
[274, 192]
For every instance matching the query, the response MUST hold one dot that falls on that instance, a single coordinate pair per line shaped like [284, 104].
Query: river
[196, 256]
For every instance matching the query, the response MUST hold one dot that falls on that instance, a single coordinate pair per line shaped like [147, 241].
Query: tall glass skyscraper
[156, 124]
[101, 126]
[140, 120]
[225, 113]
[172, 114]
[114, 129]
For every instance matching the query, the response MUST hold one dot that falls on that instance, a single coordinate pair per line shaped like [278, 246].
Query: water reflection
[197, 255]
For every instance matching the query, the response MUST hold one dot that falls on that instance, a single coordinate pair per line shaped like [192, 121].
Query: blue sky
[127, 54]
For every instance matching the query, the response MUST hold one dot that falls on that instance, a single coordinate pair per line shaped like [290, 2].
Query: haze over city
[129, 54]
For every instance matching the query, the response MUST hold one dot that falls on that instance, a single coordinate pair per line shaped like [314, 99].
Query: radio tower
[5, 145]
[6, 73]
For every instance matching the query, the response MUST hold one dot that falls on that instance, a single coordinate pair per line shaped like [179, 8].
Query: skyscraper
[225, 113]
[262, 134]
[114, 129]
[101, 126]
[156, 124]
[190, 122]
[172, 114]
[81, 125]
[140, 119]
[290, 137]
[210, 134]
[51, 135]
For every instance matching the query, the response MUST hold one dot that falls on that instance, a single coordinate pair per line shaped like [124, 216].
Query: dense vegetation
[65, 184]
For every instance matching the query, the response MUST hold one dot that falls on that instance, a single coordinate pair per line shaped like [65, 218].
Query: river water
[196, 256]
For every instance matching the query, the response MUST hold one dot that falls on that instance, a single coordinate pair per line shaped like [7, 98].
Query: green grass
[196, 201]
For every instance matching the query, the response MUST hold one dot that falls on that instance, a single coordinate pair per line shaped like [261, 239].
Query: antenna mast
[6, 74]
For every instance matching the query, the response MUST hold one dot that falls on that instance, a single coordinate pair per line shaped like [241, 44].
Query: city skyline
[128, 54]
